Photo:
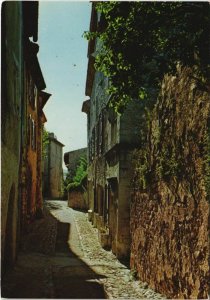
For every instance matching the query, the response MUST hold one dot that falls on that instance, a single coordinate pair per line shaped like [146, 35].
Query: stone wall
[77, 200]
[169, 211]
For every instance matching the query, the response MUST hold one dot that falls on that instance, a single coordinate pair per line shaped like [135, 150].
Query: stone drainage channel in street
[61, 257]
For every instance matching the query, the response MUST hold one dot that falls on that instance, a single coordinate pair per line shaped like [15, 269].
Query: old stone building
[35, 99]
[168, 202]
[43, 98]
[111, 139]
[53, 171]
[22, 118]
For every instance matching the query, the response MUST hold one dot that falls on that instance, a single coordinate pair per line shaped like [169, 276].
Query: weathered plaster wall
[131, 123]
[10, 128]
[39, 197]
[111, 169]
[169, 211]
[53, 170]
[99, 98]
[32, 162]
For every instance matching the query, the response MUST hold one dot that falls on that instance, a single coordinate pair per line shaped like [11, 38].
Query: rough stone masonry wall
[169, 211]
[77, 200]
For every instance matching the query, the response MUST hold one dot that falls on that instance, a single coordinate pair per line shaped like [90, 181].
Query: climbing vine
[142, 41]
[45, 142]
[78, 182]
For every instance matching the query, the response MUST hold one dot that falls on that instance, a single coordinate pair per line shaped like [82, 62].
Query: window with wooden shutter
[31, 92]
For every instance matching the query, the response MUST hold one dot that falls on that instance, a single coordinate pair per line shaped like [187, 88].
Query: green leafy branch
[80, 176]
[141, 41]
[45, 142]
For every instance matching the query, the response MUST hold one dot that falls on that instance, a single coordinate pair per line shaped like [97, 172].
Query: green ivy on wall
[78, 181]
[45, 142]
[142, 41]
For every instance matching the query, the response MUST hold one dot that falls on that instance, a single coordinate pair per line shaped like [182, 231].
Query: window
[34, 135]
[101, 134]
[31, 133]
[31, 91]
[35, 96]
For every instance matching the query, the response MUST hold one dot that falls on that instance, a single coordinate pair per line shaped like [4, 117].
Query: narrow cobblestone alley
[105, 104]
[62, 258]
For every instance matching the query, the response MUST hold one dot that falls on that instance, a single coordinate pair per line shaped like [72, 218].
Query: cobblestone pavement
[116, 278]
[48, 266]
[61, 258]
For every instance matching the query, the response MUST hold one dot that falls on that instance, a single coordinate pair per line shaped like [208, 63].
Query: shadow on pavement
[53, 205]
[58, 273]
[75, 280]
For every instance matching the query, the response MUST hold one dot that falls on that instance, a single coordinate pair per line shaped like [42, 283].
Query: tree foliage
[45, 142]
[78, 181]
[141, 41]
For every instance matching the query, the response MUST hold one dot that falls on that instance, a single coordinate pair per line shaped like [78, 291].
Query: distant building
[53, 171]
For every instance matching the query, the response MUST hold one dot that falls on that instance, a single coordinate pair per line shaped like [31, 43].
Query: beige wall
[53, 172]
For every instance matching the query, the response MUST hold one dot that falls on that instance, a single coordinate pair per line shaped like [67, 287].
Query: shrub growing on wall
[79, 180]
[45, 142]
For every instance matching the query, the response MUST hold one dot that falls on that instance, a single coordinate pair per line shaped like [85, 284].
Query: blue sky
[63, 60]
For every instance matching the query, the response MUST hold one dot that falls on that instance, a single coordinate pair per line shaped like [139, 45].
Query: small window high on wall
[31, 134]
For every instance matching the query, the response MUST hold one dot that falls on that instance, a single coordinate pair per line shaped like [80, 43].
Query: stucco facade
[22, 82]
[34, 101]
[53, 171]
[12, 52]
[111, 139]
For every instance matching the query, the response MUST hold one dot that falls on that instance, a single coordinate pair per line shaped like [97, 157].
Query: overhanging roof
[44, 98]
[43, 118]
[86, 106]
[31, 50]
